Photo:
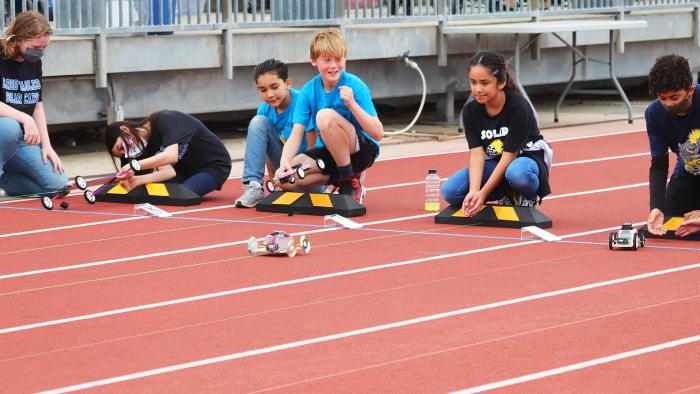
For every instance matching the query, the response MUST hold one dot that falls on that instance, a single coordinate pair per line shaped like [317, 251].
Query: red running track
[402, 305]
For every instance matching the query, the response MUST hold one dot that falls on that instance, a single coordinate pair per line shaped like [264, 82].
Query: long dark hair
[113, 131]
[496, 63]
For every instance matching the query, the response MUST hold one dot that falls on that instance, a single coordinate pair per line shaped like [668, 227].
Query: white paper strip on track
[545, 235]
[341, 220]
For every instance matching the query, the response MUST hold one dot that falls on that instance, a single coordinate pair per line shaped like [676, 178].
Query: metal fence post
[99, 14]
[227, 37]
[620, 43]
[441, 38]
[696, 25]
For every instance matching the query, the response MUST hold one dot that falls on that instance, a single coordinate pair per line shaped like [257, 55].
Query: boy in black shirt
[673, 122]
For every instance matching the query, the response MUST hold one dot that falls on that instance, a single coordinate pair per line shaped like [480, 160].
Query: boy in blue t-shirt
[673, 122]
[269, 129]
[339, 106]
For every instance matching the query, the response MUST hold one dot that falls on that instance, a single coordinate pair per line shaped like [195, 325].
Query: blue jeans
[22, 169]
[522, 175]
[262, 141]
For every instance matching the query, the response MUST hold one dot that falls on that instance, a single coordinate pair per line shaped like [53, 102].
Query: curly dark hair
[670, 73]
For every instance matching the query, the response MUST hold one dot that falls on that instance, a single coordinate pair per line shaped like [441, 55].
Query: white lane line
[383, 327]
[567, 163]
[44, 230]
[581, 365]
[189, 250]
[283, 283]
[374, 188]
[227, 244]
[550, 141]
[255, 288]
[583, 137]
[607, 189]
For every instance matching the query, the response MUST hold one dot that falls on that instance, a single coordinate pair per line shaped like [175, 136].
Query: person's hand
[284, 167]
[31, 132]
[47, 153]
[125, 172]
[472, 203]
[347, 95]
[688, 227]
[692, 215]
[130, 181]
[655, 222]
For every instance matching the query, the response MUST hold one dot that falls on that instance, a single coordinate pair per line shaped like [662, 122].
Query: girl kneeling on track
[177, 146]
[508, 160]
[28, 162]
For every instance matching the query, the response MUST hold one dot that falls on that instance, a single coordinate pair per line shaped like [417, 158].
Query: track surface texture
[103, 297]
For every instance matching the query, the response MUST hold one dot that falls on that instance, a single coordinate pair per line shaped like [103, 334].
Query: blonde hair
[27, 25]
[328, 42]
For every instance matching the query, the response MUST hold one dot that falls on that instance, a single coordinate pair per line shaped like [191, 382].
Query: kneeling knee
[451, 197]
[325, 118]
[10, 131]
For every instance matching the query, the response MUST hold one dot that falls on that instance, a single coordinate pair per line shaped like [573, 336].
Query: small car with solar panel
[278, 243]
[626, 237]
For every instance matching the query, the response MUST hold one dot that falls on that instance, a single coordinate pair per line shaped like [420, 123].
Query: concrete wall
[184, 71]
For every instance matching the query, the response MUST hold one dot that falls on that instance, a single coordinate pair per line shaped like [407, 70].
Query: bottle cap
[432, 171]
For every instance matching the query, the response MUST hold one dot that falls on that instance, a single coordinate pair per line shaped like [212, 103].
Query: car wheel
[611, 239]
[305, 244]
[80, 182]
[270, 186]
[89, 196]
[47, 202]
[253, 246]
[634, 242]
[135, 165]
[291, 248]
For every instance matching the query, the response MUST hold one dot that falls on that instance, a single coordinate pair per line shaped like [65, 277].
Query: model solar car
[290, 175]
[626, 237]
[47, 201]
[278, 242]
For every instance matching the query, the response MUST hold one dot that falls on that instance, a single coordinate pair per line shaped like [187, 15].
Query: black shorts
[682, 195]
[360, 160]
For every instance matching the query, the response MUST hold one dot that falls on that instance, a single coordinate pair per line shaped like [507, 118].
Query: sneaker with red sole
[353, 188]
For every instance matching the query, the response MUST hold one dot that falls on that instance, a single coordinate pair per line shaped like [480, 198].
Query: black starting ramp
[173, 194]
[311, 204]
[671, 225]
[496, 216]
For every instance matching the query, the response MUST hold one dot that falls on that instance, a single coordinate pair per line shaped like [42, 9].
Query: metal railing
[70, 17]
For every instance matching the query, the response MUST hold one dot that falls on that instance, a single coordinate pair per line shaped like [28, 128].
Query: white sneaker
[252, 194]
[509, 198]
[2, 193]
[505, 200]
[529, 203]
[521, 201]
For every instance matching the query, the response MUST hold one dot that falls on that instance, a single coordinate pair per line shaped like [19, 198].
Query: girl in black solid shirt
[178, 146]
[508, 161]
